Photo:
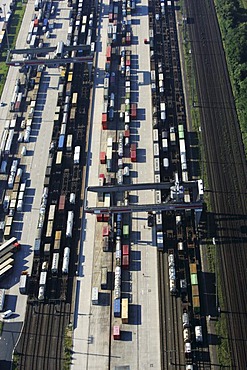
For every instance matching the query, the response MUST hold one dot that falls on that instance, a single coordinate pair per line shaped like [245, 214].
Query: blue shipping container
[117, 307]
[61, 141]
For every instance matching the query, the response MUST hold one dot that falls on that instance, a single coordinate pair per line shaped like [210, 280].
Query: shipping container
[47, 249]
[133, 110]
[49, 229]
[43, 277]
[116, 332]
[55, 261]
[52, 210]
[196, 304]
[156, 150]
[125, 249]
[105, 244]
[125, 311]
[107, 200]
[95, 295]
[61, 141]
[61, 203]
[133, 156]
[198, 334]
[74, 99]
[160, 240]
[193, 268]
[36, 247]
[77, 154]
[125, 261]
[117, 307]
[108, 53]
[193, 278]
[104, 272]
[69, 142]
[125, 231]
[23, 284]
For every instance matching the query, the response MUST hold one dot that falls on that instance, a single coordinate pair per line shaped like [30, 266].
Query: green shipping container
[181, 128]
[125, 231]
[181, 134]
[193, 279]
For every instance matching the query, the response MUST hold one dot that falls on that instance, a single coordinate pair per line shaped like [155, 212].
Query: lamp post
[7, 36]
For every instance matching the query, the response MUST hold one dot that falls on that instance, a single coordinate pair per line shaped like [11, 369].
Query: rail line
[226, 166]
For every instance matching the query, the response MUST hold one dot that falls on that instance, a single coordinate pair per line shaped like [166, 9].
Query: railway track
[226, 167]
[44, 351]
[45, 323]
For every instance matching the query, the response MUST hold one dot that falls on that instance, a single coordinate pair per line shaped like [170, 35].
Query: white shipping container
[77, 154]
[19, 205]
[42, 279]
[155, 135]
[54, 266]
[182, 146]
[198, 333]
[165, 144]
[156, 165]
[156, 150]
[95, 295]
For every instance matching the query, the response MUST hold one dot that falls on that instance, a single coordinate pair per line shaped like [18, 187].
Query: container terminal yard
[103, 215]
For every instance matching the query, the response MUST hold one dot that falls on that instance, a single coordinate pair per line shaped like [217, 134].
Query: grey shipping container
[36, 247]
[117, 307]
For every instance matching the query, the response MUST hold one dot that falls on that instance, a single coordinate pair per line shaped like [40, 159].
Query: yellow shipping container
[193, 268]
[125, 311]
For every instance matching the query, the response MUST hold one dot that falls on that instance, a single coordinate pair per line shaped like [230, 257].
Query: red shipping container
[36, 22]
[104, 118]
[127, 133]
[106, 217]
[133, 156]
[133, 110]
[104, 125]
[125, 249]
[108, 53]
[128, 61]
[102, 176]
[110, 17]
[99, 218]
[102, 157]
[133, 147]
[116, 332]
[125, 262]
[105, 231]
[61, 204]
